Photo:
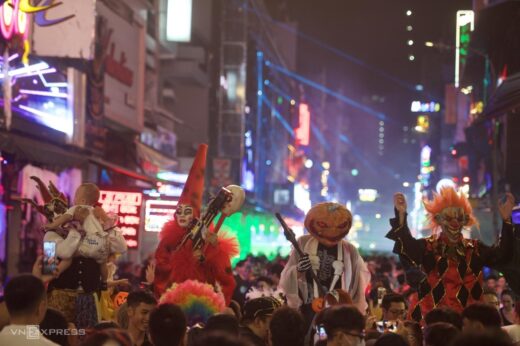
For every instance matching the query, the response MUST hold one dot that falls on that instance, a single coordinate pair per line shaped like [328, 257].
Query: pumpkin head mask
[328, 222]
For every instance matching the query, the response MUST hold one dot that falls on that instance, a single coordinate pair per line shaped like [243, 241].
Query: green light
[279, 100]
[257, 233]
[354, 172]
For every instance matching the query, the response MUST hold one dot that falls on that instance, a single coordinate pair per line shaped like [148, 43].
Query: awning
[506, 98]
[33, 150]
[127, 172]
[37, 151]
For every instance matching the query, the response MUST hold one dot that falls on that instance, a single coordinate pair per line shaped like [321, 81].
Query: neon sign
[157, 213]
[464, 26]
[42, 95]
[425, 107]
[128, 206]
[13, 21]
[303, 131]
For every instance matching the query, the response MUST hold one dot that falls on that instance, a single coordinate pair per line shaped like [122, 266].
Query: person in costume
[101, 235]
[451, 264]
[175, 263]
[74, 291]
[335, 261]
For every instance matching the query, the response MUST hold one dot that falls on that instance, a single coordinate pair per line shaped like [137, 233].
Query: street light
[443, 46]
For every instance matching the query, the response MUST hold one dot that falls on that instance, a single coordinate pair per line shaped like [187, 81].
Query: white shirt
[20, 335]
[91, 224]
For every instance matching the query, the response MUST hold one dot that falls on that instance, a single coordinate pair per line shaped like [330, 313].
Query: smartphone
[384, 326]
[322, 334]
[49, 257]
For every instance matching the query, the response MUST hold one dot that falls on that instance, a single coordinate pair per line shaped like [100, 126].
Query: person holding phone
[452, 265]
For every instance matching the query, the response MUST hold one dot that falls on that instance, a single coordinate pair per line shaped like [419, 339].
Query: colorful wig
[198, 300]
[447, 198]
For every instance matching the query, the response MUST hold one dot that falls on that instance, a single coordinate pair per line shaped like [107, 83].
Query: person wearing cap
[255, 321]
[176, 264]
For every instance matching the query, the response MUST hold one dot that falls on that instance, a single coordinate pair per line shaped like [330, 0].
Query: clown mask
[452, 220]
[184, 215]
[328, 223]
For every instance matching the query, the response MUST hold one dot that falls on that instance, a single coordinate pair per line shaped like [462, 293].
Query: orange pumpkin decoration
[120, 299]
[328, 222]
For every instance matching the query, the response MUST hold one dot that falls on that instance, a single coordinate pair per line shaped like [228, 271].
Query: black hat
[263, 306]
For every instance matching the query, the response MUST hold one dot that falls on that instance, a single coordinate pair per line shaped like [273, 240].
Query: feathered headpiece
[198, 300]
[448, 198]
[54, 202]
[254, 293]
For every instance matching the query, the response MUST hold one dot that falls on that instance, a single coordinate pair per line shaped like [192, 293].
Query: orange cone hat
[192, 192]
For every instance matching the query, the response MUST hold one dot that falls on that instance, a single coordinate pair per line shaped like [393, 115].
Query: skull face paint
[184, 215]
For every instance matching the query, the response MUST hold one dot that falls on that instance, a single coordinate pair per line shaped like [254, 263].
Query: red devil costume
[176, 264]
[451, 265]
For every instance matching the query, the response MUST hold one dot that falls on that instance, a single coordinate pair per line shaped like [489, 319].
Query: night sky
[375, 32]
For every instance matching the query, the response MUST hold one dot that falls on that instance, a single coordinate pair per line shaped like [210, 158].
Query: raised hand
[400, 205]
[150, 272]
[506, 208]
[37, 271]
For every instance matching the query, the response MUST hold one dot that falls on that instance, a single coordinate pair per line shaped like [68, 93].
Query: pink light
[303, 131]
[6, 19]
[13, 21]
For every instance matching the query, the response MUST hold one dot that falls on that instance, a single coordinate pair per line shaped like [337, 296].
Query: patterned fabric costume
[174, 264]
[452, 270]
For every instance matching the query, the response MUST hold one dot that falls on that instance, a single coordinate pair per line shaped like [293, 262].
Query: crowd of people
[258, 315]
[440, 290]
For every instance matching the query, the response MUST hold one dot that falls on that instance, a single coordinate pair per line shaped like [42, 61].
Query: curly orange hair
[448, 198]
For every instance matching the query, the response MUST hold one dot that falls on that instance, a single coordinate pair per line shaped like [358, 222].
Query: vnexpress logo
[32, 332]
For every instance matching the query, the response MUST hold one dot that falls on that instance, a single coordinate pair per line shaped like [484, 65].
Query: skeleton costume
[335, 261]
[340, 267]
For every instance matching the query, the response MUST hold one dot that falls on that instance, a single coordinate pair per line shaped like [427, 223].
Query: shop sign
[157, 213]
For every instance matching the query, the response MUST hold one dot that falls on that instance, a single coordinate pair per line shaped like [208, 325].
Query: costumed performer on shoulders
[451, 264]
[336, 262]
[175, 263]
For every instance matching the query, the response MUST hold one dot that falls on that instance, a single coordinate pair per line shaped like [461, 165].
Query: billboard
[124, 66]
[69, 22]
